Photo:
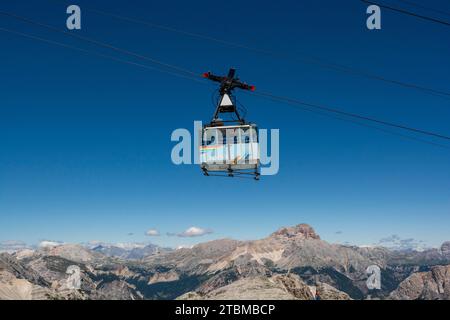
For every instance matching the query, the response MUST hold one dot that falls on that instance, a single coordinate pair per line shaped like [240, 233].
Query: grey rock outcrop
[431, 285]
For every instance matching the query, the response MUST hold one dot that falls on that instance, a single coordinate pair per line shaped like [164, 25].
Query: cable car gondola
[229, 147]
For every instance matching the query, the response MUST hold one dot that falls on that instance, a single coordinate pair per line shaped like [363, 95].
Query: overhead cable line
[352, 115]
[67, 46]
[265, 94]
[409, 13]
[98, 43]
[414, 4]
[308, 59]
[349, 120]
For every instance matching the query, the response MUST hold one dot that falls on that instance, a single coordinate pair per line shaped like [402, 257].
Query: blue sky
[85, 141]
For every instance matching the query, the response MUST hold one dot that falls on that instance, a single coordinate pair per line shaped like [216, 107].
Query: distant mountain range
[130, 251]
[291, 263]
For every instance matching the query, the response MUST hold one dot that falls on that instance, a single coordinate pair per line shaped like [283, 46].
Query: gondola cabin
[231, 149]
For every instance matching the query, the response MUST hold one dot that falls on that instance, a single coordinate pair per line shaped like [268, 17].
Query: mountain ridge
[291, 263]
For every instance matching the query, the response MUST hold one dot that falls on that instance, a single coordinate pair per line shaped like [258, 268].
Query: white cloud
[49, 244]
[395, 242]
[152, 233]
[184, 246]
[195, 232]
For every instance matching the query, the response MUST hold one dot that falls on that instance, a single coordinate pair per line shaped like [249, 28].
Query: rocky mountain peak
[73, 252]
[300, 231]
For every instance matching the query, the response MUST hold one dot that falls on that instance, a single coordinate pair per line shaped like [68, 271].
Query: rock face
[18, 282]
[300, 246]
[279, 287]
[239, 270]
[195, 260]
[300, 231]
[294, 286]
[431, 285]
[163, 277]
[12, 288]
[73, 252]
[326, 292]
[43, 275]
[116, 290]
[10, 264]
[259, 282]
